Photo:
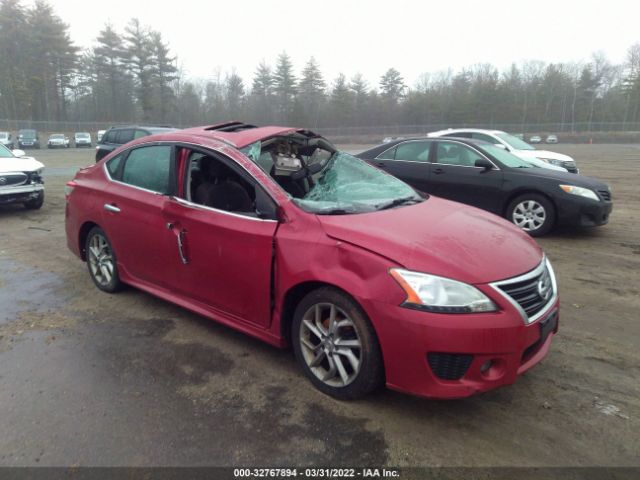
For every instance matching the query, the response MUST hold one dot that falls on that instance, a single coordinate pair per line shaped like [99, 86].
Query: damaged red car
[275, 232]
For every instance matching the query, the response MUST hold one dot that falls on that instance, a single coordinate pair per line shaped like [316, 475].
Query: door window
[149, 168]
[140, 134]
[388, 154]
[212, 183]
[413, 151]
[113, 166]
[451, 153]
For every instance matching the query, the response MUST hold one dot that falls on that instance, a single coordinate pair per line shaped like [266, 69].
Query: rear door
[132, 210]
[455, 176]
[409, 161]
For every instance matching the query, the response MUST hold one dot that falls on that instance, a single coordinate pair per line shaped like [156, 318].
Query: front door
[220, 251]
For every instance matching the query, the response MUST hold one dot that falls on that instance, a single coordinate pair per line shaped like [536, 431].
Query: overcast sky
[368, 36]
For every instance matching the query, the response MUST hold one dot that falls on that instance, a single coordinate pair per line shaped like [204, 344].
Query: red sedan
[276, 233]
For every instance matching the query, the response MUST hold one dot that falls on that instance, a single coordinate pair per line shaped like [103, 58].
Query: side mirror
[484, 164]
[18, 153]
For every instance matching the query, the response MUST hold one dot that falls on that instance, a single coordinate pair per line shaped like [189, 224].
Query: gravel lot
[96, 379]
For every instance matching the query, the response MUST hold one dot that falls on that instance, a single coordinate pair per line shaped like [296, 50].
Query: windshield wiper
[398, 201]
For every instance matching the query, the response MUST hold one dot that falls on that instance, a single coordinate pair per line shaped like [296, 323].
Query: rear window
[124, 136]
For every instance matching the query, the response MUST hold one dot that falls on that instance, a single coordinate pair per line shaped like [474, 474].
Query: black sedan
[486, 176]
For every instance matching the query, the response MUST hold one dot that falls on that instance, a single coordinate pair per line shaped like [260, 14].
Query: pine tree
[284, 87]
[164, 73]
[311, 92]
[139, 60]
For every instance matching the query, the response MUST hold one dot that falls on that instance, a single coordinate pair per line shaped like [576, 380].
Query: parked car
[28, 138]
[391, 139]
[6, 140]
[274, 232]
[552, 139]
[117, 136]
[58, 140]
[20, 179]
[100, 135]
[82, 139]
[520, 148]
[535, 139]
[484, 175]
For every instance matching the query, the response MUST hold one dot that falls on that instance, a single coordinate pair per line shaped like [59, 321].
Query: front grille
[12, 179]
[449, 366]
[533, 293]
[605, 194]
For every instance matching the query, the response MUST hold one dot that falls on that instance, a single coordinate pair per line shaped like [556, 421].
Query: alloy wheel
[529, 215]
[330, 344]
[101, 260]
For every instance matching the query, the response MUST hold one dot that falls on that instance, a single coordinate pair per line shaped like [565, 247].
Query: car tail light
[68, 189]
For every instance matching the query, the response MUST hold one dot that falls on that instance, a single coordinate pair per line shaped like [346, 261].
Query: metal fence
[379, 130]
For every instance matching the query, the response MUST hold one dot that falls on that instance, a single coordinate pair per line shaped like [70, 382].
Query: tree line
[133, 76]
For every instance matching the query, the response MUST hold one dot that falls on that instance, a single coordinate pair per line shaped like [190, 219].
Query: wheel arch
[296, 293]
[524, 191]
[82, 238]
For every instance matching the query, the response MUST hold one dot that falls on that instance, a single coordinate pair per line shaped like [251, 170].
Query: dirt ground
[95, 379]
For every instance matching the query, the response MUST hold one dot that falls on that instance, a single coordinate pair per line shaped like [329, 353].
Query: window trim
[175, 145]
[126, 153]
[433, 162]
[230, 163]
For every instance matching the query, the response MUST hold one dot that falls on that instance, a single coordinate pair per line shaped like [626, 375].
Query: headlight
[441, 295]
[552, 161]
[580, 191]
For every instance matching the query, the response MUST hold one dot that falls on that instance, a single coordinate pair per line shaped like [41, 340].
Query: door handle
[380, 164]
[111, 208]
[438, 171]
[180, 237]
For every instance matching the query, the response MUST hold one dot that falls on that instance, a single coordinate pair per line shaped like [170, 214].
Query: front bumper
[581, 212]
[421, 348]
[20, 194]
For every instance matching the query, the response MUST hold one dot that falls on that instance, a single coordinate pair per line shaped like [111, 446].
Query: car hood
[442, 238]
[544, 154]
[22, 164]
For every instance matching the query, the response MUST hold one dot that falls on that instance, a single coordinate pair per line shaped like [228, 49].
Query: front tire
[101, 261]
[336, 346]
[533, 213]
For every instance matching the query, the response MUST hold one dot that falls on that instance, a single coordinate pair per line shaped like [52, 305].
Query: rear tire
[336, 345]
[102, 262]
[533, 213]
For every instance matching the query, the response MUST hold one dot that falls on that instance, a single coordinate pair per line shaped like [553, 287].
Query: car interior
[213, 184]
[294, 161]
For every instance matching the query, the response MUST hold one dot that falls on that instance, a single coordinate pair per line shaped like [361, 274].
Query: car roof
[473, 130]
[239, 135]
[383, 147]
[151, 128]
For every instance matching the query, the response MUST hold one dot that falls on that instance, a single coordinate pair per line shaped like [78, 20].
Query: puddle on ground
[25, 288]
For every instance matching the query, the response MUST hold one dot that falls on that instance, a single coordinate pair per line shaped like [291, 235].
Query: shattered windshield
[347, 184]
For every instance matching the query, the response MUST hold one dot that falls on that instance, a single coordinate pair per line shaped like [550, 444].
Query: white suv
[20, 179]
[518, 147]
